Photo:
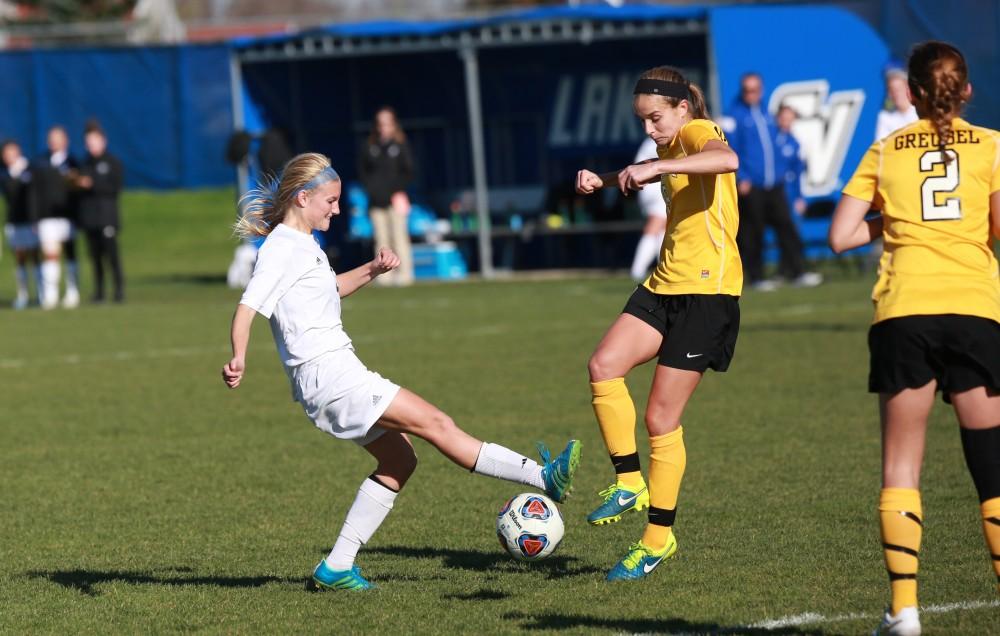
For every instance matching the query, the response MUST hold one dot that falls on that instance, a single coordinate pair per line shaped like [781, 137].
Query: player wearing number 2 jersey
[937, 303]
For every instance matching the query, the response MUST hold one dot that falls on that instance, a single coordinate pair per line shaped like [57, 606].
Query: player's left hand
[385, 261]
[636, 176]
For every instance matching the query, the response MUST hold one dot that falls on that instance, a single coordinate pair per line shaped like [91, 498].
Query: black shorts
[960, 352]
[699, 330]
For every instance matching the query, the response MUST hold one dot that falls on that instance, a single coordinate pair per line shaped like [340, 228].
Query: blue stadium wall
[167, 110]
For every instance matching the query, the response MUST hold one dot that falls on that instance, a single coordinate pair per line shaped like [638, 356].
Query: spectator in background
[53, 182]
[654, 208]
[897, 111]
[22, 234]
[100, 183]
[386, 169]
[789, 159]
[762, 191]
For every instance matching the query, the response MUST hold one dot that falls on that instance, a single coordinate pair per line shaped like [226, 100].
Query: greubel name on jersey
[930, 140]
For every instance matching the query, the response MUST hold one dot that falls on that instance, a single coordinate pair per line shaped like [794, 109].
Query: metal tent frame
[465, 37]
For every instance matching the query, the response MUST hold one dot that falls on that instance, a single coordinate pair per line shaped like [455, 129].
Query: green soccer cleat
[327, 579]
[641, 560]
[558, 473]
[618, 499]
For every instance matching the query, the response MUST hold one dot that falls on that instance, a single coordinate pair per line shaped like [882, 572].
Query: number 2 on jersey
[951, 209]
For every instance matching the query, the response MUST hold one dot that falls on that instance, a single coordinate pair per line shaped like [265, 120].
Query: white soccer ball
[529, 526]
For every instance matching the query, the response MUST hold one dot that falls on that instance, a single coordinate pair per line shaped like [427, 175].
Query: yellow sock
[667, 459]
[616, 416]
[901, 520]
[991, 528]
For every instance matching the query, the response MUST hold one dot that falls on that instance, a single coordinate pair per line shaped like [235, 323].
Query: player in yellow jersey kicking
[937, 303]
[686, 314]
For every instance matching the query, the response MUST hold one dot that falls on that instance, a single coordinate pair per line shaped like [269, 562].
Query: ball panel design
[529, 526]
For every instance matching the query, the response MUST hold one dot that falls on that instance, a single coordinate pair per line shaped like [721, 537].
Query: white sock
[645, 254]
[21, 276]
[72, 276]
[50, 281]
[500, 462]
[369, 510]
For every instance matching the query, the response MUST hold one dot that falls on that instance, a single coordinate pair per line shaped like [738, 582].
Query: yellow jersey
[938, 256]
[699, 253]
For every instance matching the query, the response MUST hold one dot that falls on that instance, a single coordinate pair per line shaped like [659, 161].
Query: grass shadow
[84, 581]
[481, 594]
[552, 567]
[576, 622]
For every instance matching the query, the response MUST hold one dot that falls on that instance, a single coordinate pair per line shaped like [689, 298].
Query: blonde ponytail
[265, 206]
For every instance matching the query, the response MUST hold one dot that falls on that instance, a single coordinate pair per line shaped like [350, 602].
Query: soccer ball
[529, 526]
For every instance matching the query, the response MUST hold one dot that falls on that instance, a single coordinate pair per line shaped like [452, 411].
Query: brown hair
[399, 136]
[938, 77]
[671, 74]
[263, 207]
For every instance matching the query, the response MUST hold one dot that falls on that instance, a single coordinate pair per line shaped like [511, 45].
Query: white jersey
[294, 287]
[651, 199]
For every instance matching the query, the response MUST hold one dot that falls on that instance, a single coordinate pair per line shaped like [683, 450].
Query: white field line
[480, 331]
[812, 618]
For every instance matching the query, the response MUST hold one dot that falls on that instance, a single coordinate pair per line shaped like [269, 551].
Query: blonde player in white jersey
[654, 208]
[294, 287]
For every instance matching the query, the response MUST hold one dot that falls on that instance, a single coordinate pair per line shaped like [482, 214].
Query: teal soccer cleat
[618, 499]
[558, 473]
[327, 579]
[640, 561]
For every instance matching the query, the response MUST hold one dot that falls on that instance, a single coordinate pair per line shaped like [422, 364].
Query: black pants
[103, 243]
[760, 208]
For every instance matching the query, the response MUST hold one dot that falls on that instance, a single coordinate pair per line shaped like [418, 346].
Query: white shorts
[342, 397]
[54, 232]
[22, 236]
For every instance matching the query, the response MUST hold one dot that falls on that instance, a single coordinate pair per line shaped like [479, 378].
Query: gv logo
[824, 128]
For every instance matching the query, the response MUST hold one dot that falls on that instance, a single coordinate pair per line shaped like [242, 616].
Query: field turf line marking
[812, 618]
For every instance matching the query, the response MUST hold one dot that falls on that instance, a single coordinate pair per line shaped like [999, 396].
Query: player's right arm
[849, 228]
[232, 373]
[588, 182]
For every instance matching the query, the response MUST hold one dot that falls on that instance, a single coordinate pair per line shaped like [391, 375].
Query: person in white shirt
[294, 287]
[902, 113]
[654, 208]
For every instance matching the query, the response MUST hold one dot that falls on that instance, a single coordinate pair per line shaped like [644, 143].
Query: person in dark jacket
[762, 191]
[386, 169]
[100, 183]
[22, 216]
[54, 174]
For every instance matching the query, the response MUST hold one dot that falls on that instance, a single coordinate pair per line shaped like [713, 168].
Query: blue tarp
[400, 28]
[167, 110]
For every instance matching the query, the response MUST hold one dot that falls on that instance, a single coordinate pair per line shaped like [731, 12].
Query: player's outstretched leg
[409, 413]
[375, 498]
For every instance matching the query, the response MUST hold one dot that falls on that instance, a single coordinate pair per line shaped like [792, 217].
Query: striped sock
[991, 528]
[616, 416]
[901, 520]
[667, 460]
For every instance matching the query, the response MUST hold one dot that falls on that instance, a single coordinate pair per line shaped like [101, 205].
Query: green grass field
[139, 495]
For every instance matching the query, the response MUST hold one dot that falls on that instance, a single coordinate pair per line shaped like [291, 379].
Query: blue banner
[824, 62]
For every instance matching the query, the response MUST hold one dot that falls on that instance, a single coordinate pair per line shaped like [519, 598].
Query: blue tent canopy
[539, 92]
